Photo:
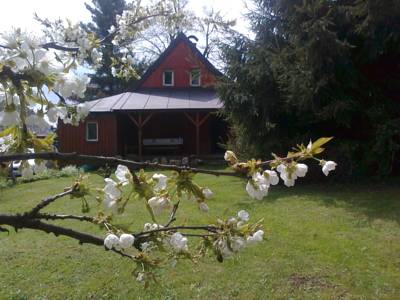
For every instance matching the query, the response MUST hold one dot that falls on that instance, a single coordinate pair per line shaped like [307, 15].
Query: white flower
[82, 110]
[328, 166]
[207, 193]
[222, 245]
[111, 189]
[27, 171]
[204, 207]
[178, 242]
[111, 240]
[40, 168]
[56, 112]
[113, 71]
[288, 178]
[69, 84]
[257, 187]
[109, 202]
[161, 180]
[271, 177]
[9, 118]
[126, 240]
[158, 204]
[237, 243]
[230, 157]
[301, 170]
[37, 122]
[256, 237]
[140, 277]
[243, 215]
[123, 174]
[49, 65]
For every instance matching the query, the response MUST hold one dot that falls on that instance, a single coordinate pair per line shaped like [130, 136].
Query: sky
[19, 13]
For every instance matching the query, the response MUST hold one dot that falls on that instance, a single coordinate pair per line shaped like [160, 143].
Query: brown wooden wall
[73, 138]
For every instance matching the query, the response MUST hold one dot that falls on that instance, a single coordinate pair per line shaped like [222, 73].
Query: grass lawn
[322, 241]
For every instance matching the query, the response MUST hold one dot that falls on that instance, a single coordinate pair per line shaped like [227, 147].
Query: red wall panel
[181, 60]
[73, 138]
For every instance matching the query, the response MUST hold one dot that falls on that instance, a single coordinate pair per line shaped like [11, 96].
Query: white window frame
[87, 131]
[173, 78]
[191, 72]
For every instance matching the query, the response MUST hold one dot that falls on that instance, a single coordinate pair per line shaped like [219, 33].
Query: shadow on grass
[374, 200]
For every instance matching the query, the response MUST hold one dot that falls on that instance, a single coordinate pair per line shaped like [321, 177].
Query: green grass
[322, 242]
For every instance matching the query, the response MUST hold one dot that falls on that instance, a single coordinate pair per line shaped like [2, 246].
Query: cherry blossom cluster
[289, 169]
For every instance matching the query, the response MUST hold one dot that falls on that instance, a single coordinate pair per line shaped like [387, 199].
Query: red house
[172, 111]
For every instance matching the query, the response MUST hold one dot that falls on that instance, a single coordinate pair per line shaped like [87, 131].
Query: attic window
[195, 77]
[168, 78]
[92, 132]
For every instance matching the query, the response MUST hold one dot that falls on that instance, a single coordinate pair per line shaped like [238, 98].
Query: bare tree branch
[75, 157]
[49, 200]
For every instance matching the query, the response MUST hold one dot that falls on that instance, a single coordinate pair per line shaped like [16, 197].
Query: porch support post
[140, 127]
[197, 122]
[140, 124]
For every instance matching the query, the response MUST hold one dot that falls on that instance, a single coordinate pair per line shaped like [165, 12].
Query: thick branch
[102, 160]
[53, 217]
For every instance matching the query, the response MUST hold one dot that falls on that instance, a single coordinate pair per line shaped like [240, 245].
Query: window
[92, 132]
[168, 78]
[195, 77]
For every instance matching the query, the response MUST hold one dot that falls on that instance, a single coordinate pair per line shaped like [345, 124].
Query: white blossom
[204, 207]
[301, 170]
[123, 174]
[309, 146]
[109, 202]
[243, 215]
[161, 181]
[230, 157]
[126, 240]
[158, 204]
[237, 243]
[271, 177]
[9, 118]
[257, 187]
[256, 237]
[111, 240]
[328, 166]
[56, 112]
[82, 110]
[287, 177]
[178, 242]
[207, 193]
[40, 168]
[111, 188]
[69, 84]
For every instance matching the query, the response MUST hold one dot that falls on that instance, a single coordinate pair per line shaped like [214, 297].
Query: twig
[206, 228]
[49, 200]
[172, 215]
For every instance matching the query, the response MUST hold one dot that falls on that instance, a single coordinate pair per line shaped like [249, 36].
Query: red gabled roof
[181, 38]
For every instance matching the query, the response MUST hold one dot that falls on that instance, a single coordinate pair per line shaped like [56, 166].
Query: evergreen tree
[319, 67]
[103, 82]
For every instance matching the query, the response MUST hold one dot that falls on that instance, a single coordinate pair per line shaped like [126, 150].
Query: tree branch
[75, 157]
[49, 200]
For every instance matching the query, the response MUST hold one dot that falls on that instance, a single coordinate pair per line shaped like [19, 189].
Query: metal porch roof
[186, 99]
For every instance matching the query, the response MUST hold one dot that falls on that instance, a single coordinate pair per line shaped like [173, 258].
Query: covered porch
[170, 133]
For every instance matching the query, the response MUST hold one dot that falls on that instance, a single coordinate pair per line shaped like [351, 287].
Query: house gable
[182, 58]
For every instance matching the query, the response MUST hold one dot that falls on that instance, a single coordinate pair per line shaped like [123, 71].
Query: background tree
[319, 66]
[210, 28]
[104, 17]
